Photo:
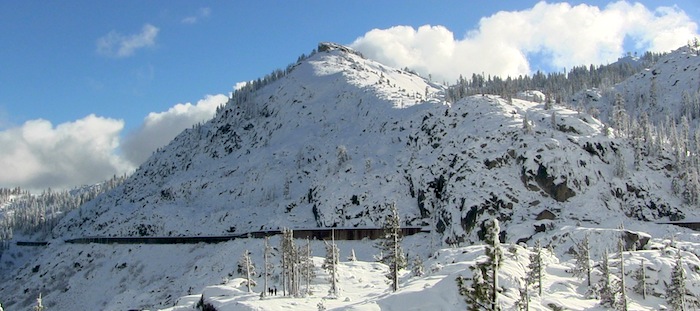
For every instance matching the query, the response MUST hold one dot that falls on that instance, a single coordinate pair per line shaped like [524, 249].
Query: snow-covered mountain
[332, 143]
[668, 89]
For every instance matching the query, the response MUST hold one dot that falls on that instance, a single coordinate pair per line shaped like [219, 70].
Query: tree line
[556, 85]
[30, 214]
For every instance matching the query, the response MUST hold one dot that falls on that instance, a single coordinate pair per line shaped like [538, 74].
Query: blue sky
[103, 66]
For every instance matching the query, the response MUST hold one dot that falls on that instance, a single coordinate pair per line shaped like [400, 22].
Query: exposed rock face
[635, 240]
[558, 191]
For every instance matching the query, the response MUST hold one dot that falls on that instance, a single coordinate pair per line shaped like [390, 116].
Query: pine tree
[307, 267]
[691, 194]
[494, 252]
[267, 265]
[523, 304]
[549, 102]
[620, 169]
[653, 96]
[640, 275]
[417, 266]
[290, 260]
[607, 290]
[536, 267]
[621, 299]
[330, 264]
[582, 268]
[477, 295]
[638, 146]
[619, 115]
[247, 269]
[390, 247]
[676, 290]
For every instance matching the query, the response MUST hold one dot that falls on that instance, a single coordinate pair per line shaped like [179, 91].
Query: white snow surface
[332, 144]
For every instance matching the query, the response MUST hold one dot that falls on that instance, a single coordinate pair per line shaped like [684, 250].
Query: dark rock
[635, 240]
[546, 214]
[560, 192]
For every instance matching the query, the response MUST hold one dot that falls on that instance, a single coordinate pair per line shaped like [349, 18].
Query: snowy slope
[333, 143]
[668, 89]
[264, 162]
[277, 160]
[363, 286]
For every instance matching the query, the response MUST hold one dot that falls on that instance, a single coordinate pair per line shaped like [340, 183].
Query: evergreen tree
[640, 275]
[536, 267]
[290, 260]
[691, 193]
[653, 96]
[417, 266]
[390, 247]
[549, 102]
[481, 289]
[494, 252]
[619, 115]
[477, 295]
[638, 145]
[582, 268]
[523, 304]
[607, 290]
[676, 290]
[247, 269]
[330, 264]
[267, 265]
[307, 267]
[621, 299]
[620, 168]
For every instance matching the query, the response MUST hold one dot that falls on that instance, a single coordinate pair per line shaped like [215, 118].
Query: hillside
[332, 143]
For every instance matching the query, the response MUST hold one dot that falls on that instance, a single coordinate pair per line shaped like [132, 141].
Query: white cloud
[118, 45]
[239, 85]
[202, 13]
[160, 128]
[566, 35]
[37, 155]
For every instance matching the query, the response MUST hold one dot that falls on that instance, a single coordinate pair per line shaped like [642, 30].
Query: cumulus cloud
[504, 43]
[37, 155]
[202, 13]
[118, 45]
[159, 128]
[239, 85]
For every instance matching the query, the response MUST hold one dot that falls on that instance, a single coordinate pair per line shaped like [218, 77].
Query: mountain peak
[331, 46]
